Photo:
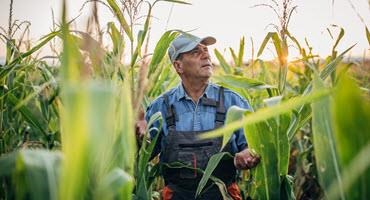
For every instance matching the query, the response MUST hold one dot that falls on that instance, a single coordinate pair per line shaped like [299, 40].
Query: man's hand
[246, 159]
[140, 126]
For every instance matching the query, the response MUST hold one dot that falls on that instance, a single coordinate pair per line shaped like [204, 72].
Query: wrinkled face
[194, 64]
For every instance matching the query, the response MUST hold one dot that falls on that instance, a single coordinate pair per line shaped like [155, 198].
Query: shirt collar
[181, 93]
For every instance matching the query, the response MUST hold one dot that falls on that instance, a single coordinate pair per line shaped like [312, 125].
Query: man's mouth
[207, 65]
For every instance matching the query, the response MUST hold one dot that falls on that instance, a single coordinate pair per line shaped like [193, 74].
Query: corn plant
[280, 38]
[28, 90]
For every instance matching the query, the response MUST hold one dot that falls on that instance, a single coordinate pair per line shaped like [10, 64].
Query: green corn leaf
[161, 49]
[277, 43]
[351, 118]
[280, 49]
[241, 82]
[121, 18]
[226, 67]
[154, 172]
[241, 52]
[35, 121]
[262, 138]
[323, 139]
[234, 113]
[266, 113]
[282, 143]
[118, 43]
[294, 39]
[264, 43]
[294, 125]
[357, 169]
[235, 58]
[340, 36]
[211, 166]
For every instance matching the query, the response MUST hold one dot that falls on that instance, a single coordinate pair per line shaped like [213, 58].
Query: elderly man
[194, 107]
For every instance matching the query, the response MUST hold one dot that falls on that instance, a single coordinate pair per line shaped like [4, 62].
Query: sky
[227, 21]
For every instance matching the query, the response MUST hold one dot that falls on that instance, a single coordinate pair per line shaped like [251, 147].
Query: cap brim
[209, 40]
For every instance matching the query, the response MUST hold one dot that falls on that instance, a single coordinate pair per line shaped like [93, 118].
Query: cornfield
[67, 127]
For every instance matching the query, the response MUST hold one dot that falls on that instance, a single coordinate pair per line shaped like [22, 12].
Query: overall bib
[185, 147]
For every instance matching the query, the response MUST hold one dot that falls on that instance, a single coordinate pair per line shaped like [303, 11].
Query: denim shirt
[191, 116]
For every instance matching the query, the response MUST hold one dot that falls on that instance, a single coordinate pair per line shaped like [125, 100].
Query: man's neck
[195, 90]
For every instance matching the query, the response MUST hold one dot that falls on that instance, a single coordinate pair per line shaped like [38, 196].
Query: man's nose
[205, 53]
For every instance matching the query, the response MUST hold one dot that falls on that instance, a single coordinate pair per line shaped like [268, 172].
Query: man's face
[195, 64]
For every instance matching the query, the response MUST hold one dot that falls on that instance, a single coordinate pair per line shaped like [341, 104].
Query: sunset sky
[228, 21]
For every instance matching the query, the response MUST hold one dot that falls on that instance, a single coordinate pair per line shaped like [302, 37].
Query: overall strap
[170, 113]
[220, 111]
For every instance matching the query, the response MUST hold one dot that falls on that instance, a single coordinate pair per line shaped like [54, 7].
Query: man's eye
[195, 51]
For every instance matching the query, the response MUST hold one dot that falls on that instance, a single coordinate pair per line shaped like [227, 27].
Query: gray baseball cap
[187, 42]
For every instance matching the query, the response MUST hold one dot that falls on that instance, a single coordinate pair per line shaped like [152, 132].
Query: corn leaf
[235, 58]
[234, 113]
[354, 171]
[225, 66]
[32, 118]
[352, 136]
[241, 52]
[241, 82]
[161, 49]
[211, 166]
[121, 18]
[340, 36]
[323, 139]
[118, 43]
[264, 43]
[261, 138]
[266, 113]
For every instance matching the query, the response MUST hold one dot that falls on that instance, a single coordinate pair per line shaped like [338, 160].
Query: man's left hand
[246, 159]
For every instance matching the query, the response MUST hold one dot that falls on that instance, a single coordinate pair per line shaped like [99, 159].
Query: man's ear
[178, 66]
